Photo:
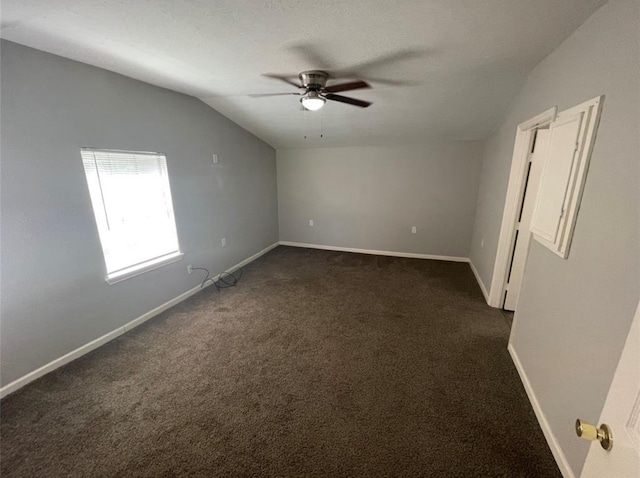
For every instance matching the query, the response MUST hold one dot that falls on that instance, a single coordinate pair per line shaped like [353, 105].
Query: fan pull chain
[304, 121]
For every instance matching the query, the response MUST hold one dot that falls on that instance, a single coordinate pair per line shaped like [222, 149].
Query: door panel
[556, 175]
[622, 413]
[523, 238]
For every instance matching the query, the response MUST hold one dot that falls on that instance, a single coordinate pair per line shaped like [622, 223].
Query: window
[131, 201]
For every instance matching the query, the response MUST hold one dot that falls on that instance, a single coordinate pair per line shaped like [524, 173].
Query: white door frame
[517, 177]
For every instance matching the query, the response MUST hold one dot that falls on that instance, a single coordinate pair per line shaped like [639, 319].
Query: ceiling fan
[316, 92]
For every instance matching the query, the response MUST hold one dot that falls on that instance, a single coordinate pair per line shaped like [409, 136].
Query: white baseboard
[480, 283]
[94, 344]
[253, 257]
[558, 454]
[412, 255]
[59, 362]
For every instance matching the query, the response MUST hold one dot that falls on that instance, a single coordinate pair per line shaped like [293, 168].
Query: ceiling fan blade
[383, 81]
[354, 85]
[361, 69]
[311, 55]
[347, 100]
[263, 95]
[282, 78]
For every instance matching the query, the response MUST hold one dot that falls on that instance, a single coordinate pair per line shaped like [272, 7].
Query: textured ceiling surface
[439, 69]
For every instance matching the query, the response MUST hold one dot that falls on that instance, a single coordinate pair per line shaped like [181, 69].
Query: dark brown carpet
[318, 363]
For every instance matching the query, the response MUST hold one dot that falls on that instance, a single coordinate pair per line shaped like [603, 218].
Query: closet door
[563, 145]
[523, 234]
[572, 136]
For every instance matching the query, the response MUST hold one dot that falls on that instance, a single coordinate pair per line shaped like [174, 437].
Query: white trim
[539, 120]
[524, 137]
[252, 258]
[552, 441]
[147, 266]
[412, 255]
[59, 362]
[589, 114]
[158, 310]
[94, 344]
[480, 283]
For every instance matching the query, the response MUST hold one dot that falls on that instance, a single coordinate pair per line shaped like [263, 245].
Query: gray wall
[54, 296]
[369, 197]
[574, 315]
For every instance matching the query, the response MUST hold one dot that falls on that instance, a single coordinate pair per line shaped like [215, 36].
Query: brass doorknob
[591, 432]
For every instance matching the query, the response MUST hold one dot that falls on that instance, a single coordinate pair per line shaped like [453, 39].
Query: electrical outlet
[189, 269]
[224, 242]
[414, 229]
[215, 159]
[311, 222]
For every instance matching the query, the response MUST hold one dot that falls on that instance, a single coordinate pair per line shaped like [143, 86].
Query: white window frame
[149, 264]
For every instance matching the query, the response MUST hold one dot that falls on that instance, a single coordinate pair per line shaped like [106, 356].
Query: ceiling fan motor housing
[313, 80]
[316, 92]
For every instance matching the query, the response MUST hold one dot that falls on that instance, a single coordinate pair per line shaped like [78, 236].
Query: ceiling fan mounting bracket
[313, 80]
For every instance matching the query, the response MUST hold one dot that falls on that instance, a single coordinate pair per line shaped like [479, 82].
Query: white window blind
[131, 201]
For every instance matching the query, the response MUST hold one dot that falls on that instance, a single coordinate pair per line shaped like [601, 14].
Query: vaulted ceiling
[439, 69]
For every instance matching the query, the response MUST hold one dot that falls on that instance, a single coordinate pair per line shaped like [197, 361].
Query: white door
[622, 413]
[551, 203]
[522, 234]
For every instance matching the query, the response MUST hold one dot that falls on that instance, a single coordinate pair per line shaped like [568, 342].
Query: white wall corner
[480, 283]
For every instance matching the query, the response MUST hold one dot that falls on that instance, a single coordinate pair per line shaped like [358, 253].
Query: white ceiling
[458, 63]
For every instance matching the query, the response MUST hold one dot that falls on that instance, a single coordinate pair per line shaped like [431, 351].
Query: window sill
[142, 268]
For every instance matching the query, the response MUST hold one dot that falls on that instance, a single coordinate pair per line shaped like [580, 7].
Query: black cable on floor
[228, 279]
[225, 280]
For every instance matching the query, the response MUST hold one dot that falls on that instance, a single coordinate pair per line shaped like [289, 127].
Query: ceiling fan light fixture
[312, 101]
[317, 93]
